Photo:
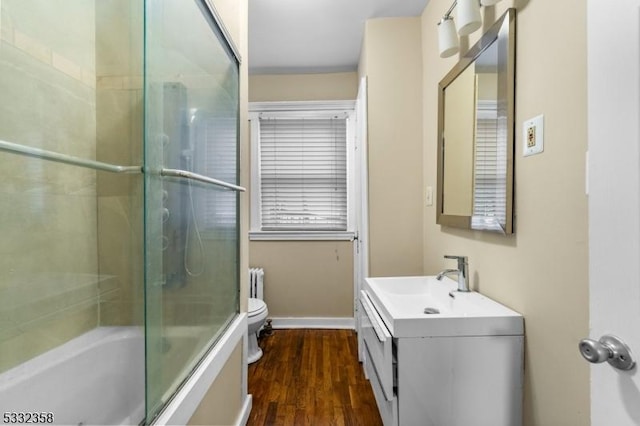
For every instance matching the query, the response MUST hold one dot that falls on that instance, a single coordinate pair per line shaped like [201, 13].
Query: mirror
[476, 134]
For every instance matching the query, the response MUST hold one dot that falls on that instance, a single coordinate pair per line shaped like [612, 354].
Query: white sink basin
[401, 302]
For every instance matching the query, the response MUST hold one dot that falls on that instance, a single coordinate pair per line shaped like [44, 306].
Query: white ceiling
[306, 36]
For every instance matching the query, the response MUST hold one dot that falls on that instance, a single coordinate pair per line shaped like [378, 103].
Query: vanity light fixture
[469, 20]
[447, 37]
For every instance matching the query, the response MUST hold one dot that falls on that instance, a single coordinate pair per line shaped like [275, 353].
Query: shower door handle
[200, 178]
[43, 154]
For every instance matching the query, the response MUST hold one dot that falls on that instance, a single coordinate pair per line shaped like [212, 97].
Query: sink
[423, 307]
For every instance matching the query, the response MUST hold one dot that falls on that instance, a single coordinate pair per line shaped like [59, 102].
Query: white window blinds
[214, 141]
[490, 171]
[303, 174]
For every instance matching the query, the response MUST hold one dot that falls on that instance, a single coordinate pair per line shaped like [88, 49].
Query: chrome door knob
[594, 351]
[609, 348]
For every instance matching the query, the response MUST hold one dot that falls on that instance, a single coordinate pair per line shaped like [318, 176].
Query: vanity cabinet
[377, 353]
[471, 380]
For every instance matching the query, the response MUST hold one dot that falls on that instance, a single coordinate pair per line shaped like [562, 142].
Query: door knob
[609, 348]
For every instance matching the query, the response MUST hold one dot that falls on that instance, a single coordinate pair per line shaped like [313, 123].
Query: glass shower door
[191, 201]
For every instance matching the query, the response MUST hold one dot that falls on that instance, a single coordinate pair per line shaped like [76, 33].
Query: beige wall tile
[40, 336]
[6, 30]
[119, 112]
[32, 47]
[49, 255]
[66, 66]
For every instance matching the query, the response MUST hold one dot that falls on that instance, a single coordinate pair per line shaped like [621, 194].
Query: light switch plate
[533, 136]
[429, 196]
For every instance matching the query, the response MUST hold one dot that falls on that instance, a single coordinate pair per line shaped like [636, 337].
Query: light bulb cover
[469, 18]
[447, 38]
[488, 2]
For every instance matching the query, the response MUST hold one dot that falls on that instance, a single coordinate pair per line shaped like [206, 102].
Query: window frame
[299, 109]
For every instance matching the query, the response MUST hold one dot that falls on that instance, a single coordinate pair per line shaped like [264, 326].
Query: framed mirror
[476, 134]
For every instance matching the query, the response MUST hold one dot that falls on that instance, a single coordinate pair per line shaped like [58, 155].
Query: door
[613, 37]
[361, 244]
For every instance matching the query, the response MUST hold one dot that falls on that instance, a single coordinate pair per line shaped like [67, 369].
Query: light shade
[488, 2]
[447, 38]
[468, 18]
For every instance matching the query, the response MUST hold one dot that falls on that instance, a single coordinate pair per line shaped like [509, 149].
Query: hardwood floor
[310, 377]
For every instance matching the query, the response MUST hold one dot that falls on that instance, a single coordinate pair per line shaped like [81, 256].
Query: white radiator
[256, 283]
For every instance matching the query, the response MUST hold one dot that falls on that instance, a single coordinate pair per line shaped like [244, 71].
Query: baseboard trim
[313, 322]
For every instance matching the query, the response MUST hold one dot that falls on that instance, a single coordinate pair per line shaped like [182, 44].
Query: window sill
[301, 236]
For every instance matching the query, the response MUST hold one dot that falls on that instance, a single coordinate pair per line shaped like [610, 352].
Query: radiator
[256, 283]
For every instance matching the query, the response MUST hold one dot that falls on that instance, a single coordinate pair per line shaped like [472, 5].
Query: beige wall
[303, 87]
[391, 61]
[219, 407]
[305, 279]
[541, 270]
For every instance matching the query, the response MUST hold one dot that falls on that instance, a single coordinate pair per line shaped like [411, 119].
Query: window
[218, 134]
[490, 170]
[300, 167]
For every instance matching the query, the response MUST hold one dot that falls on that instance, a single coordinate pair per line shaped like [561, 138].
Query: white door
[361, 244]
[613, 29]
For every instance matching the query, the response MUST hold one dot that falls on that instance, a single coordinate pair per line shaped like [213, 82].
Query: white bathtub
[98, 379]
[94, 379]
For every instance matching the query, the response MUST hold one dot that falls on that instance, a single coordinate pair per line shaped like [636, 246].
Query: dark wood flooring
[310, 377]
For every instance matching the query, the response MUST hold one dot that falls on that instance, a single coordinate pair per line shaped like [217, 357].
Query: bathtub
[94, 379]
[98, 379]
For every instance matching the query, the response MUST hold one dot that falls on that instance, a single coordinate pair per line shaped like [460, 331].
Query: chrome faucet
[462, 272]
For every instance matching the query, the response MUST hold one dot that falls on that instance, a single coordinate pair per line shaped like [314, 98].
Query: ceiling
[314, 36]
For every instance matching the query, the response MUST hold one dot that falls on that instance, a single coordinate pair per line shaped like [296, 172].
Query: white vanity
[438, 357]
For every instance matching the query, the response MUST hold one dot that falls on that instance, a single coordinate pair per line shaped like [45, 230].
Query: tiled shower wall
[71, 254]
[119, 104]
[48, 253]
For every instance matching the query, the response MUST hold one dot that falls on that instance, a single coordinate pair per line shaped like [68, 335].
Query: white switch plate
[533, 136]
[429, 196]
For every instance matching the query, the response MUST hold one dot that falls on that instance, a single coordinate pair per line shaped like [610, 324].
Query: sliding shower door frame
[167, 129]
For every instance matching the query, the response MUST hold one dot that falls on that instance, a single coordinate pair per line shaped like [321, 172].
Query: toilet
[257, 315]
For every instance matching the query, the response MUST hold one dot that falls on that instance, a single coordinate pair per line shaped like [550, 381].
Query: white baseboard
[243, 416]
[313, 322]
